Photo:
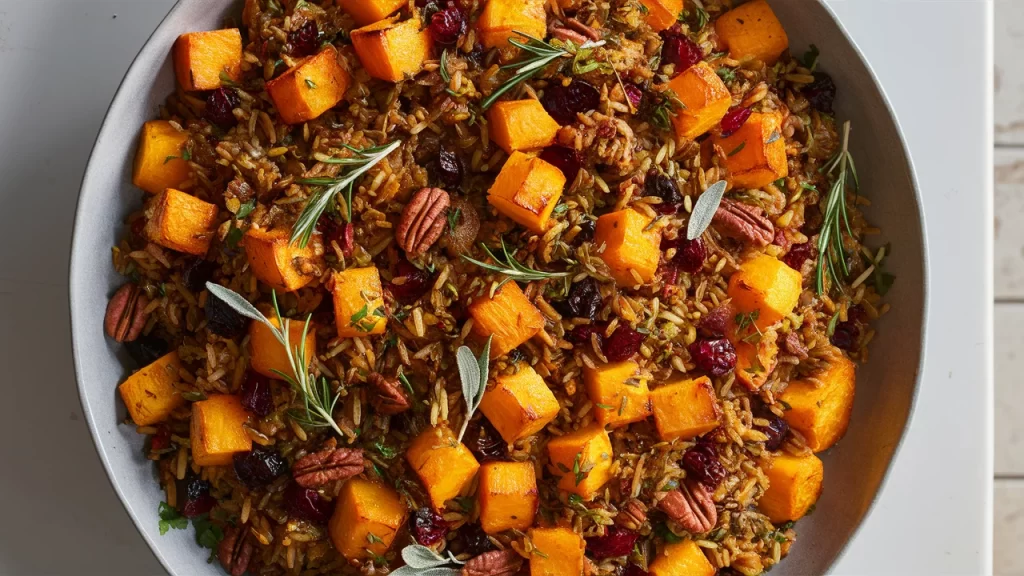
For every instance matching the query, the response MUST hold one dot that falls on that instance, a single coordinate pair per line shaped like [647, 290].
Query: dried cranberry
[584, 299]
[615, 542]
[471, 539]
[716, 357]
[307, 504]
[821, 93]
[219, 105]
[449, 168]
[146, 349]
[680, 51]
[427, 527]
[702, 462]
[447, 25]
[857, 313]
[798, 254]
[222, 319]
[634, 94]
[197, 273]
[623, 344]
[476, 55]
[306, 40]
[776, 430]
[664, 187]
[588, 228]
[564, 102]
[568, 160]
[415, 284]
[715, 322]
[846, 336]
[484, 441]
[259, 467]
[343, 233]
[734, 120]
[256, 395]
[634, 570]
[197, 497]
[161, 440]
[690, 255]
[580, 335]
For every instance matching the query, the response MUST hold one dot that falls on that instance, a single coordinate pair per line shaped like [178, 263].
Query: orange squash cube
[705, 97]
[391, 50]
[500, 19]
[509, 317]
[521, 125]
[310, 88]
[558, 552]
[359, 302]
[681, 559]
[366, 12]
[182, 222]
[508, 496]
[160, 161]
[527, 190]
[149, 394]
[685, 408]
[752, 30]
[821, 411]
[583, 459]
[366, 519]
[619, 397]
[443, 464]
[203, 59]
[756, 357]
[519, 404]
[630, 246]
[277, 262]
[216, 430]
[766, 289]
[794, 484]
[662, 14]
[266, 354]
[756, 153]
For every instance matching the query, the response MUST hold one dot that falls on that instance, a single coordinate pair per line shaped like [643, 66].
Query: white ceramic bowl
[854, 470]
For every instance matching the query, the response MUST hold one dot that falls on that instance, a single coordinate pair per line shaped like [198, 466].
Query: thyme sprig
[510, 267]
[317, 397]
[537, 55]
[831, 254]
[361, 160]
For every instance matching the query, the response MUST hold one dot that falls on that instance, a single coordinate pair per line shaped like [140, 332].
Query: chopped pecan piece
[423, 220]
[389, 399]
[319, 468]
[744, 222]
[691, 506]
[590, 33]
[495, 563]
[235, 551]
[633, 515]
[556, 30]
[794, 346]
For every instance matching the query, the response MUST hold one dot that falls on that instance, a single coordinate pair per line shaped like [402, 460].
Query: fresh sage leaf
[704, 210]
[473, 372]
[417, 556]
[237, 303]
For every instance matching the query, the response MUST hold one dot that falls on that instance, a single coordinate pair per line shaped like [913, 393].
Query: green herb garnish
[512, 268]
[473, 372]
[170, 518]
[831, 253]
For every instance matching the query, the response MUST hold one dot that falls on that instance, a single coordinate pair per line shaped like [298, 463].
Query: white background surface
[61, 61]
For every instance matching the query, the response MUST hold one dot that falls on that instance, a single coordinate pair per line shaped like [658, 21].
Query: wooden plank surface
[1009, 528]
[1009, 216]
[1009, 74]
[1009, 369]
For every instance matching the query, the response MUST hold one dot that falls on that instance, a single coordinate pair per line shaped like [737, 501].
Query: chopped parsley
[170, 518]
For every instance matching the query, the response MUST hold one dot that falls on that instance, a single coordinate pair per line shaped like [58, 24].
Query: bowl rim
[136, 69]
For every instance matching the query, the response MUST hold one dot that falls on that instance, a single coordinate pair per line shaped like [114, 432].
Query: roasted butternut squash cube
[182, 222]
[705, 97]
[631, 248]
[149, 394]
[508, 316]
[268, 356]
[752, 30]
[583, 459]
[619, 396]
[527, 190]
[519, 404]
[756, 153]
[443, 464]
[681, 559]
[391, 50]
[160, 160]
[756, 356]
[560, 552]
[310, 88]
[366, 12]
[216, 430]
[765, 289]
[359, 302]
[794, 484]
[275, 261]
[521, 125]
[662, 14]
[366, 519]
[821, 411]
[508, 496]
[685, 408]
[203, 59]
[500, 19]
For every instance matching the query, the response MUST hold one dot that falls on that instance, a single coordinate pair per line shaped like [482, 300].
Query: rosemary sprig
[445, 76]
[361, 161]
[318, 399]
[537, 55]
[512, 268]
[831, 255]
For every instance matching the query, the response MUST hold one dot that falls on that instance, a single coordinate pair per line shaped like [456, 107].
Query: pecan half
[633, 515]
[744, 222]
[126, 313]
[691, 506]
[556, 30]
[423, 220]
[591, 33]
[494, 563]
[794, 346]
[235, 551]
[389, 399]
[319, 468]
